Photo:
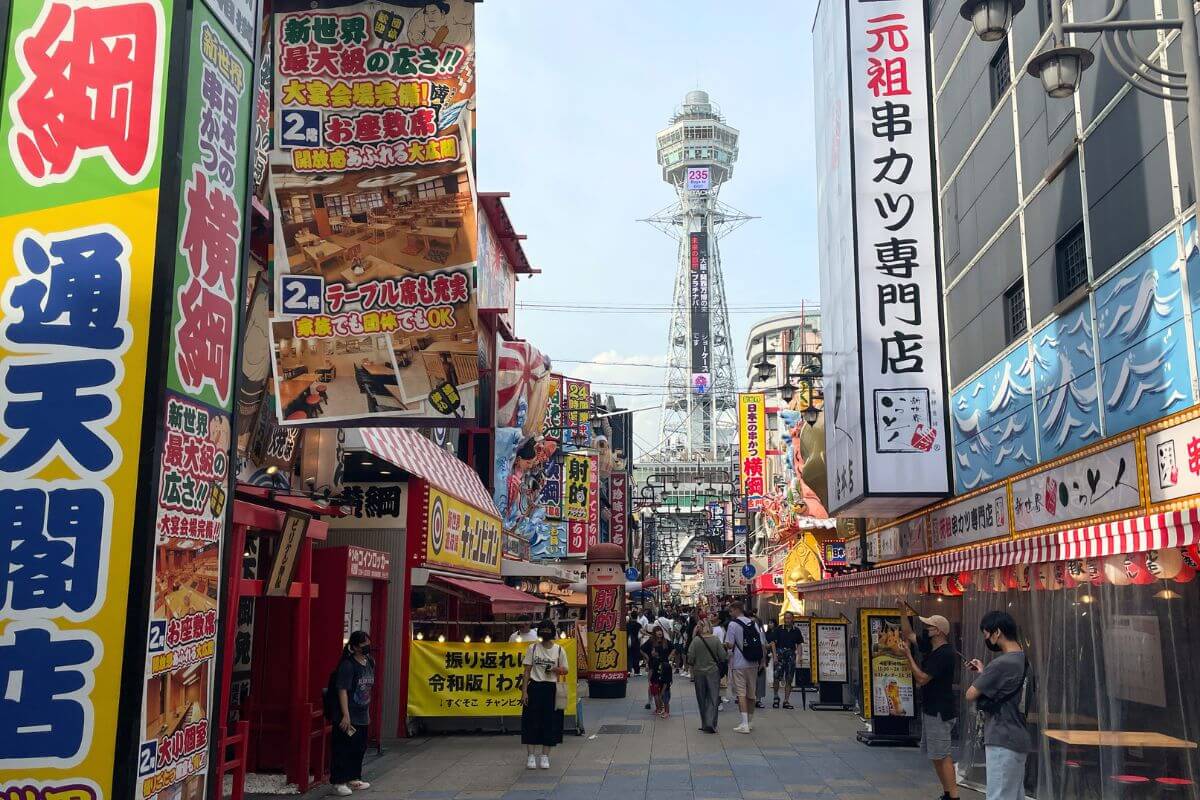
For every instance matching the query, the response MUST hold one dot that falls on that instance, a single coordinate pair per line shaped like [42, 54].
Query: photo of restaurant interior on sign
[384, 258]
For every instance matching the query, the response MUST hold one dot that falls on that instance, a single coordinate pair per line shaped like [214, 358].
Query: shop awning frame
[1133, 535]
[503, 598]
[417, 455]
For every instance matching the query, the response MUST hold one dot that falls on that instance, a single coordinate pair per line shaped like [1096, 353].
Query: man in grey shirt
[999, 691]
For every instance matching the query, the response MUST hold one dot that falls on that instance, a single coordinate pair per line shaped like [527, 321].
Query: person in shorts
[785, 642]
[934, 676]
[745, 660]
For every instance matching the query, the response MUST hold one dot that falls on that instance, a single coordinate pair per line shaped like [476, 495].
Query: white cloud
[631, 385]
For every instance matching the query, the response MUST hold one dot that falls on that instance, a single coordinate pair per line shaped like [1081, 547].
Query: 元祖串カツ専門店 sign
[886, 420]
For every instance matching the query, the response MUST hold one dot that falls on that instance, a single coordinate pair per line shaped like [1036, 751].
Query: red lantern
[1188, 571]
[1062, 574]
[965, 579]
[1010, 577]
[1026, 575]
[1095, 571]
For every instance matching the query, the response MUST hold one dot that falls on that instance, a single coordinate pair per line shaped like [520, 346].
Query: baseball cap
[939, 622]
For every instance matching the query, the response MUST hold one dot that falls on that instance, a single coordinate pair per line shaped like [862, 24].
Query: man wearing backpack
[744, 638]
[998, 692]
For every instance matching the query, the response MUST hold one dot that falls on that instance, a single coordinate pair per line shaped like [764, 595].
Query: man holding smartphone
[934, 675]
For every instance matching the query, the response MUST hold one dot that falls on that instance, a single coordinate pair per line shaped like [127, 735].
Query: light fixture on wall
[990, 18]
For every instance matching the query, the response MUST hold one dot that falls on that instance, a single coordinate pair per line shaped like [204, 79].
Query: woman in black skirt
[541, 723]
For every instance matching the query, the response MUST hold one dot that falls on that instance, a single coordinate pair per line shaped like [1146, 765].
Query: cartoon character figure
[442, 22]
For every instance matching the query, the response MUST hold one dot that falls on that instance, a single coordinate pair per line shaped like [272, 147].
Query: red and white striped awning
[412, 452]
[1134, 535]
[892, 572]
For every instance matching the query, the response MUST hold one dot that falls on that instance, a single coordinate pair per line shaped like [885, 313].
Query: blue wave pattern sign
[1140, 344]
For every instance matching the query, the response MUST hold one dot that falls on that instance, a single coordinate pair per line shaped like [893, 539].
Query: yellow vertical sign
[752, 441]
[80, 164]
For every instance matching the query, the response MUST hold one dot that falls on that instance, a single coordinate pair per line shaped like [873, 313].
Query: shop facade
[1095, 557]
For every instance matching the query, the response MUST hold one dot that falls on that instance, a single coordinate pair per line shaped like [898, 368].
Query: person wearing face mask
[541, 722]
[934, 676]
[355, 682]
[999, 693]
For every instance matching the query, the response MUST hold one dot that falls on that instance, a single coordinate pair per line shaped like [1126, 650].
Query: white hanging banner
[887, 441]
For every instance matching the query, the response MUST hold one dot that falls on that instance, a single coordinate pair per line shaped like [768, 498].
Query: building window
[1070, 259]
[999, 72]
[1044, 14]
[1014, 311]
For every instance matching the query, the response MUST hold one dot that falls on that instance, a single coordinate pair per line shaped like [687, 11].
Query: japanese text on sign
[619, 504]
[753, 444]
[460, 535]
[449, 679]
[606, 644]
[577, 410]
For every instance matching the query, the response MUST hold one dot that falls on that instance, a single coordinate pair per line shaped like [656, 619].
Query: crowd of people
[725, 653]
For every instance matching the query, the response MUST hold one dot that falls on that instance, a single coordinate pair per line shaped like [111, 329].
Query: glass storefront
[1111, 643]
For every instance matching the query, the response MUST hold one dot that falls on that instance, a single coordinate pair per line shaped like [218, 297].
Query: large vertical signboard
[618, 498]
[374, 108]
[752, 446]
[577, 404]
[701, 346]
[81, 114]
[194, 460]
[886, 441]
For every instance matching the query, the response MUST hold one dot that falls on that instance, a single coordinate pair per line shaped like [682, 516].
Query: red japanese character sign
[93, 75]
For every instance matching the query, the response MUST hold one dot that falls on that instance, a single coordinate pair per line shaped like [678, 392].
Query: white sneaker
[359, 785]
[343, 790]
[742, 729]
[531, 762]
[544, 762]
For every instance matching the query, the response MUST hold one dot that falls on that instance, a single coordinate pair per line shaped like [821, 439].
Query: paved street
[790, 754]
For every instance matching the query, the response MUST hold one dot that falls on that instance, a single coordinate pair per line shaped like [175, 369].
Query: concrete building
[1069, 269]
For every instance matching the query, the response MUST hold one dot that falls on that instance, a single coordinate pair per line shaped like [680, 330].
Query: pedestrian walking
[744, 640]
[707, 658]
[354, 683]
[646, 620]
[524, 633]
[541, 722]
[934, 676]
[719, 628]
[760, 680]
[785, 641]
[998, 694]
[658, 666]
[633, 645]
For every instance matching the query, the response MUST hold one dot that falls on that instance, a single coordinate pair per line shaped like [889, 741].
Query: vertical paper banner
[78, 219]
[593, 500]
[178, 707]
[752, 438]
[618, 498]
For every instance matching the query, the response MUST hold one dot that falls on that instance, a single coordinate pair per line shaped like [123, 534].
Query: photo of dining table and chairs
[370, 225]
[334, 378]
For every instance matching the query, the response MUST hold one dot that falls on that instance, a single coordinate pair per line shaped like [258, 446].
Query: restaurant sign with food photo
[375, 213]
[887, 680]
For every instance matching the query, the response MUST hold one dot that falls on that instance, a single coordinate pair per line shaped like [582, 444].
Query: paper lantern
[998, 583]
[1062, 574]
[982, 580]
[1135, 568]
[954, 586]
[1009, 576]
[1114, 571]
[1077, 570]
[1095, 571]
[1025, 577]
[965, 579]
[1048, 579]
[937, 584]
[1192, 553]
[1164, 564]
[1188, 569]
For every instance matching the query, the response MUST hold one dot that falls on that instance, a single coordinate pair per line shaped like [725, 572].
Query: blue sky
[571, 95]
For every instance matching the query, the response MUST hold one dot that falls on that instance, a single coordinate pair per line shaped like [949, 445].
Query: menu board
[887, 680]
[829, 635]
[805, 661]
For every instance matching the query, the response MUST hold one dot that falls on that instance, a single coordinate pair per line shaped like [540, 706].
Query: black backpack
[752, 649]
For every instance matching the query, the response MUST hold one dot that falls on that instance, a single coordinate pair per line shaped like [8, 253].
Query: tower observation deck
[697, 152]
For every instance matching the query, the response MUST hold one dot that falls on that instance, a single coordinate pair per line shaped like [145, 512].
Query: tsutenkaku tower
[697, 152]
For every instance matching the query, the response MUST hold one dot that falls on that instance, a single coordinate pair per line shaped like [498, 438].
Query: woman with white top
[541, 722]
